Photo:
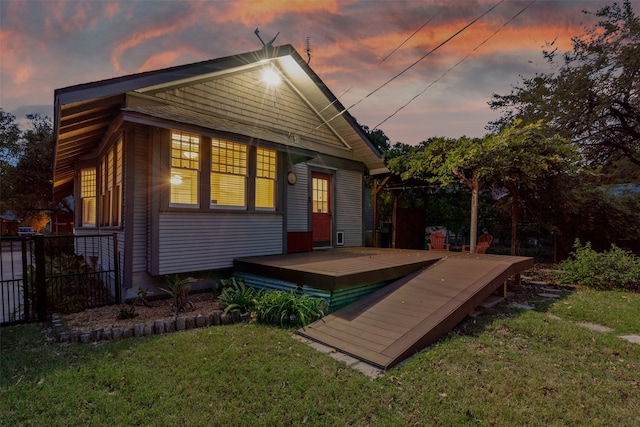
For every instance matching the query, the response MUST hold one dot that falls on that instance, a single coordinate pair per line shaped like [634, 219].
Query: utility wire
[408, 38]
[456, 64]
[416, 62]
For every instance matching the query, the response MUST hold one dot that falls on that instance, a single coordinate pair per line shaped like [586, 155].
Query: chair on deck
[484, 241]
[437, 242]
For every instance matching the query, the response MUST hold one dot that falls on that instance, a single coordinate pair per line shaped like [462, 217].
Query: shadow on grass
[29, 352]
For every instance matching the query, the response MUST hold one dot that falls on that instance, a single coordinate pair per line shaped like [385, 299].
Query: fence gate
[40, 275]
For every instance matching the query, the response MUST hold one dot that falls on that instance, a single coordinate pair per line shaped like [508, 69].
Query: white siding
[196, 242]
[298, 200]
[348, 200]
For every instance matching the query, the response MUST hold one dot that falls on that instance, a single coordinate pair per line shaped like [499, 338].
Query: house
[195, 165]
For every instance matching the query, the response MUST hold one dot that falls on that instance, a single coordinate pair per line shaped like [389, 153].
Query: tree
[523, 159]
[520, 160]
[594, 99]
[447, 161]
[27, 186]
[10, 151]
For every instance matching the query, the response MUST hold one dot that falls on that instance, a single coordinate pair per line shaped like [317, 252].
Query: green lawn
[512, 367]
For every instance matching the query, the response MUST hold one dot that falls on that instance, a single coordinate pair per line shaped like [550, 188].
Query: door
[321, 209]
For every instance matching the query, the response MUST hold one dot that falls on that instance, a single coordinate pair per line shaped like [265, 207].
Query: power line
[417, 61]
[456, 64]
[408, 38]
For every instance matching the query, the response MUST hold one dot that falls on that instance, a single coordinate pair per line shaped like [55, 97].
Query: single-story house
[195, 165]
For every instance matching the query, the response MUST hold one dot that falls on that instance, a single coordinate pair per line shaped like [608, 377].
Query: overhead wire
[455, 65]
[415, 62]
[408, 38]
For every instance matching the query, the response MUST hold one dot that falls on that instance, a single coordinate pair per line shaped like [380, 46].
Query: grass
[512, 367]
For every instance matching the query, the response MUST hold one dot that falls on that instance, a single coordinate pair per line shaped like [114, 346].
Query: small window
[228, 174]
[88, 192]
[185, 166]
[265, 179]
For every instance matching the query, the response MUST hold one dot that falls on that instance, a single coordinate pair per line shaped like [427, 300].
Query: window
[265, 179]
[185, 166]
[88, 187]
[320, 196]
[228, 173]
[111, 187]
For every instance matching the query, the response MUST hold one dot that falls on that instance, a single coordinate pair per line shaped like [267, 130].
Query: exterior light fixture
[270, 76]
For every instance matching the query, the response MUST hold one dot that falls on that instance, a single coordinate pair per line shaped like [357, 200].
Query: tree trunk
[474, 215]
[515, 199]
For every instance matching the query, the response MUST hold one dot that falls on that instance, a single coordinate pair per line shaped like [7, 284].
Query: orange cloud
[252, 12]
[167, 58]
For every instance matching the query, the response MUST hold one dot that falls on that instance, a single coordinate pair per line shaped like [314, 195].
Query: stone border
[159, 327]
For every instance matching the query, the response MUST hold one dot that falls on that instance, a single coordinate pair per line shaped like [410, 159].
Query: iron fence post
[41, 283]
[27, 288]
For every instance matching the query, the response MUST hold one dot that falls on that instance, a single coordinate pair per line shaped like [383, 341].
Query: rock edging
[159, 327]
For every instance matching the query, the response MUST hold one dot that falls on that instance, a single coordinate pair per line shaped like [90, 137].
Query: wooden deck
[395, 322]
[339, 268]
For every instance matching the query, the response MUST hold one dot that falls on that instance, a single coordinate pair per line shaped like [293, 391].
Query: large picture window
[185, 166]
[265, 179]
[228, 173]
[88, 190]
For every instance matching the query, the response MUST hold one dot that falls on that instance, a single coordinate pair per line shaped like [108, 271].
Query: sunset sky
[50, 44]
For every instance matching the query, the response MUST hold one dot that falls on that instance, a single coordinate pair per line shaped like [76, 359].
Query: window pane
[184, 186]
[265, 193]
[185, 166]
[228, 173]
[88, 182]
[227, 190]
[265, 178]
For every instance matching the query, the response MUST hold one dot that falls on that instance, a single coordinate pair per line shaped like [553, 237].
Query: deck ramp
[395, 322]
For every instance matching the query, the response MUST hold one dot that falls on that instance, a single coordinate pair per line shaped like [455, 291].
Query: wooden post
[376, 189]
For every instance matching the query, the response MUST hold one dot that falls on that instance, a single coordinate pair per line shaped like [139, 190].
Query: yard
[510, 366]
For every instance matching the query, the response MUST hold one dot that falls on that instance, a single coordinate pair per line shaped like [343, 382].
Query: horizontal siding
[349, 206]
[140, 207]
[298, 200]
[244, 97]
[196, 242]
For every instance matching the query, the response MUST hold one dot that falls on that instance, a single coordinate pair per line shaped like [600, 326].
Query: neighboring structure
[195, 165]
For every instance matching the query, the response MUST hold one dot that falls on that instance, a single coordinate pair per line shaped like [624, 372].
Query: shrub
[287, 309]
[179, 290]
[612, 269]
[271, 307]
[235, 294]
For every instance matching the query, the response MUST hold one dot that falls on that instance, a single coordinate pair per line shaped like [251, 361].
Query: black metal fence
[40, 275]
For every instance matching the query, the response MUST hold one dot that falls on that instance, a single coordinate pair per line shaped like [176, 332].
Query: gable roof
[85, 113]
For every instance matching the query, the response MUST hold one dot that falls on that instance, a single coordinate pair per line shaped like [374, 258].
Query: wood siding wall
[298, 200]
[245, 97]
[348, 200]
[141, 213]
[191, 242]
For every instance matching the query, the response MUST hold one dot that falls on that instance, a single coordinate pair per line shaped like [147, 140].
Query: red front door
[321, 209]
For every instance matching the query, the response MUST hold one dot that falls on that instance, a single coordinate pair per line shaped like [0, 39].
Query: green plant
[130, 311]
[179, 289]
[612, 269]
[235, 294]
[70, 284]
[288, 309]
